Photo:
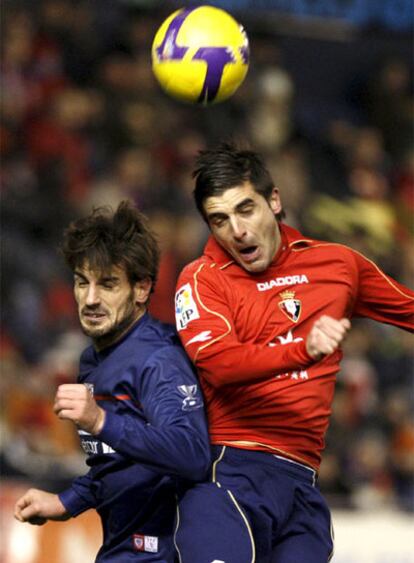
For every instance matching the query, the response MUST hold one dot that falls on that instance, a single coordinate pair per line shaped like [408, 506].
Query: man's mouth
[93, 315]
[250, 253]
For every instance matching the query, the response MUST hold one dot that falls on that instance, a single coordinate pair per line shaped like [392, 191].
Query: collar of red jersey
[290, 237]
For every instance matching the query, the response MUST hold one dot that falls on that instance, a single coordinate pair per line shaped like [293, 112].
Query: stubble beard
[104, 337]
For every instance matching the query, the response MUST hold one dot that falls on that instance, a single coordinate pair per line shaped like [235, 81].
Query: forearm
[246, 363]
[78, 497]
[179, 448]
[382, 298]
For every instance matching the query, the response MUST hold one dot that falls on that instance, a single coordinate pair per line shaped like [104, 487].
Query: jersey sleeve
[79, 496]
[204, 318]
[382, 298]
[174, 439]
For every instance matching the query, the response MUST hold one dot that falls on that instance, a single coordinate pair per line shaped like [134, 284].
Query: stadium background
[328, 100]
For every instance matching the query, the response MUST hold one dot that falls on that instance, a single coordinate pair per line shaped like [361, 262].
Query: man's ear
[275, 202]
[142, 289]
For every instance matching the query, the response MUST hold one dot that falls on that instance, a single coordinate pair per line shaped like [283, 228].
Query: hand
[37, 507]
[326, 335]
[75, 402]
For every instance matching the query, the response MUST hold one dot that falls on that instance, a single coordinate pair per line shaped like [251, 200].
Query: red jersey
[246, 335]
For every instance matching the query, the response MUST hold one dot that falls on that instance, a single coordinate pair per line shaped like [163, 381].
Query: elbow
[216, 378]
[223, 367]
[203, 466]
[198, 471]
[225, 379]
[198, 464]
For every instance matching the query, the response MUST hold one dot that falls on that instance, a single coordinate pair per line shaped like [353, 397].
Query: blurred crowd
[83, 124]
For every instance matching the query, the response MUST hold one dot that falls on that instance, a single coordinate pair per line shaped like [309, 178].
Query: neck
[279, 242]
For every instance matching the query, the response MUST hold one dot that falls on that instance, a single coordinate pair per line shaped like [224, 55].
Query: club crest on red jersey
[290, 306]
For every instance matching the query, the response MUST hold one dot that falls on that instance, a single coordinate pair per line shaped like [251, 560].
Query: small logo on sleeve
[191, 400]
[201, 337]
[290, 306]
[185, 307]
[148, 544]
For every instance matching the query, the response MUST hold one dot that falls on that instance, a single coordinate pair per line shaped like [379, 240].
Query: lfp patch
[185, 307]
[192, 400]
[148, 544]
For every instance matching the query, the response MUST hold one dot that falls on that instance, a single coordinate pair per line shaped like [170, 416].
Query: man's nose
[92, 296]
[238, 228]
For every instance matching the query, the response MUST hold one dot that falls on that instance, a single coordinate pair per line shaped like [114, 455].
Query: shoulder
[154, 341]
[202, 264]
[161, 356]
[327, 258]
[333, 250]
[202, 271]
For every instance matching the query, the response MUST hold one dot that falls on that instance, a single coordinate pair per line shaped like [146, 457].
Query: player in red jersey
[262, 314]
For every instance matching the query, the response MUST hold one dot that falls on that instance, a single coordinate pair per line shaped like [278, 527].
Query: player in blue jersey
[137, 404]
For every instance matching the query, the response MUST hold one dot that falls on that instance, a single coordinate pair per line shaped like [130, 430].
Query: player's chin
[254, 267]
[93, 330]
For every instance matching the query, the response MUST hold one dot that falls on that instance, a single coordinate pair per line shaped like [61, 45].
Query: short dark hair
[105, 239]
[227, 166]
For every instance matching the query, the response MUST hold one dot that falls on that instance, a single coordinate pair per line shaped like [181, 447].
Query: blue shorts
[257, 508]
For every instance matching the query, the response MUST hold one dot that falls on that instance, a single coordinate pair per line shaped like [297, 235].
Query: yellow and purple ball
[200, 55]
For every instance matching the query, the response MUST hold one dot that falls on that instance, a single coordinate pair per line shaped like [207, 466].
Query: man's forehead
[230, 199]
[93, 272]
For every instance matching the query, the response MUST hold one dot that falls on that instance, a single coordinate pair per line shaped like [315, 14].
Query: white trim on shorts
[314, 474]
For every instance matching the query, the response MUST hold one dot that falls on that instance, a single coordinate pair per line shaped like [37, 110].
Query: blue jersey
[154, 436]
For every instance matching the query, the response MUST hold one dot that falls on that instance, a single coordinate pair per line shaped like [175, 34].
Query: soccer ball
[200, 55]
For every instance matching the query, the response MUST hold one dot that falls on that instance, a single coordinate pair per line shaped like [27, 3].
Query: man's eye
[246, 210]
[80, 283]
[218, 222]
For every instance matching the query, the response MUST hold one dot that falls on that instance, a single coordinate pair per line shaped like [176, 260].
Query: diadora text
[280, 282]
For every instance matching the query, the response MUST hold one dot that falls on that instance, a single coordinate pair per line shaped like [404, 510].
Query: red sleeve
[204, 315]
[382, 298]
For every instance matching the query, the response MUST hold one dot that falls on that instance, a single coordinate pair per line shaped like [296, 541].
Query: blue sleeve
[175, 438]
[79, 496]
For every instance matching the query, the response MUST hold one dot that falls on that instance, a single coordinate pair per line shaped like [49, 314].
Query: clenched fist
[326, 335]
[75, 402]
[37, 507]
